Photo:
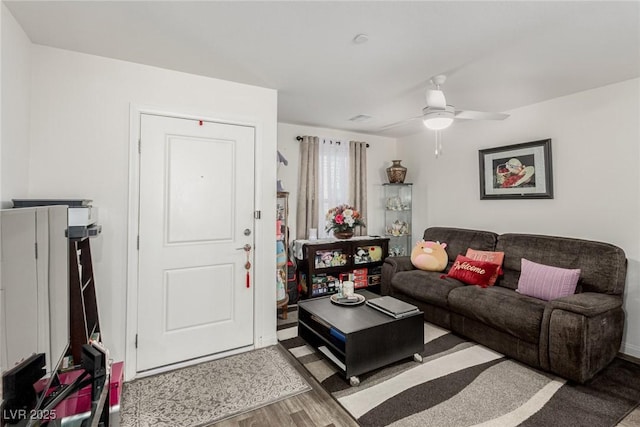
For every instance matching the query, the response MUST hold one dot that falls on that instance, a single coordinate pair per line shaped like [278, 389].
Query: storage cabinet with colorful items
[282, 248]
[397, 218]
[322, 264]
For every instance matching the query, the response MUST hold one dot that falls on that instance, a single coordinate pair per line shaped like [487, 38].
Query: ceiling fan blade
[435, 99]
[400, 123]
[480, 115]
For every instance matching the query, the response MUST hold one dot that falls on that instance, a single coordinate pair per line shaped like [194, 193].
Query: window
[333, 178]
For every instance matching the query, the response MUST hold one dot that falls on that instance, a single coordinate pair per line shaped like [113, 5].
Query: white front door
[196, 212]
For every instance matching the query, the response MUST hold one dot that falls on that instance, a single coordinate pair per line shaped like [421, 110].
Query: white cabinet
[34, 284]
[397, 218]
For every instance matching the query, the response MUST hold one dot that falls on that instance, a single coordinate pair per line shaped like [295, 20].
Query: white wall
[16, 75]
[379, 155]
[80, 146]
[595, 152]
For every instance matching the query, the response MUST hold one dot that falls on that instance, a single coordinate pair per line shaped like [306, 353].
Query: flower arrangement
[343, 218]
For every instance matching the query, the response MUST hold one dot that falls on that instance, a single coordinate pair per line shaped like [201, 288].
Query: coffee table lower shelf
[359, 339]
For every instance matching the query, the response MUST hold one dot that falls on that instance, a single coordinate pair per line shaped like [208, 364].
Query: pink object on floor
[80, 401]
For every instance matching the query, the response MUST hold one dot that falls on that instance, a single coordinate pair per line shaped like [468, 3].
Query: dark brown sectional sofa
[574, 336]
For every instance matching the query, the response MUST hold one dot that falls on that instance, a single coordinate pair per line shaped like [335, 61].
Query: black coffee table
[359, 339]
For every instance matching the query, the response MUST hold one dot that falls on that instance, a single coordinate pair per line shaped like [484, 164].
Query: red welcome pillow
[492, 257]
[472, 272]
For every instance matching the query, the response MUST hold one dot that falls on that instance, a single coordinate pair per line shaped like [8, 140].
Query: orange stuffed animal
[429, 256]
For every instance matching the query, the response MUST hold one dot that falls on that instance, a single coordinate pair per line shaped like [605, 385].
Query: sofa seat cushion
[500, 308]
[424, 286]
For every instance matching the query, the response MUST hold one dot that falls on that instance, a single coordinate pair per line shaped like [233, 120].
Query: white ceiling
[497, 55]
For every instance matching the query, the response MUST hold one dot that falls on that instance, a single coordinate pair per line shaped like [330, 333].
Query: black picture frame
[518, 171]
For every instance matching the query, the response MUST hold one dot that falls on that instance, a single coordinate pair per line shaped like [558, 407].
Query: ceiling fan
[437, 115]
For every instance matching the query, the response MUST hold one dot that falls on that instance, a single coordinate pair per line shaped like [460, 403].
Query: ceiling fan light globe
[437, 123]
[437, 120]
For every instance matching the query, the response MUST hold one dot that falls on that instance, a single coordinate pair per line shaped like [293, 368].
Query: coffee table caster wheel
[354, 381]
[417, 358]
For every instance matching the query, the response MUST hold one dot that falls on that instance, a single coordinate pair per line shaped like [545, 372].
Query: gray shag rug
[461, 383]
[212, 391]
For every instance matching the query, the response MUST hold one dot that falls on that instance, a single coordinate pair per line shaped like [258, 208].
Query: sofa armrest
[588, 304]
[400, 263]
[584, 334]
[391, 266]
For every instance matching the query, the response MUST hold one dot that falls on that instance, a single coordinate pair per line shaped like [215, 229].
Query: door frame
[262, 335]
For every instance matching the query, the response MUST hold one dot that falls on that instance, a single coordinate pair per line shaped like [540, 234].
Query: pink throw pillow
[546, 282]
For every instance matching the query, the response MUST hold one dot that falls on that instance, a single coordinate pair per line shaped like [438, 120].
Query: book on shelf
[392, 306]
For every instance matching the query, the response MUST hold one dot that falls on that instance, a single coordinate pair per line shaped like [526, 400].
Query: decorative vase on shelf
[396, 172]
[343, 234]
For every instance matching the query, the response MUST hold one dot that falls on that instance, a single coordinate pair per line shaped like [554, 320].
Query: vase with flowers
[342, 220]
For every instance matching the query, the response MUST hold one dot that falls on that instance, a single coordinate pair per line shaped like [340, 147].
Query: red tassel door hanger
[247, 265]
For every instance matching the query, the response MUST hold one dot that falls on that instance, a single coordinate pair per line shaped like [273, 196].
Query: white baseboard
[268, 341]
[630, 350]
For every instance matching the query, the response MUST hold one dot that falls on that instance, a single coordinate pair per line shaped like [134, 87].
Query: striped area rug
[461, 383]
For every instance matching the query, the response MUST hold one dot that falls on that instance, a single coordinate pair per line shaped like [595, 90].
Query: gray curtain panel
[358, 181]
[307, 206]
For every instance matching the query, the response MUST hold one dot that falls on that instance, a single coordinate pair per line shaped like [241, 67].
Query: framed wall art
[519, 171]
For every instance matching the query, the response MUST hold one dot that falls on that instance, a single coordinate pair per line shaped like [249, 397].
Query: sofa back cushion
[603, 266]
[458, 240]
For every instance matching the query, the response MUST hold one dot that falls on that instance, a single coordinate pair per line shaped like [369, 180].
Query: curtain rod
[299, 138]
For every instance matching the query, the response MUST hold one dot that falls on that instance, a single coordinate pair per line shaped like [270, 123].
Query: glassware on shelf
[397, 217]
[397, 251]
[397, 204]
[394, 203]
[398, 228]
